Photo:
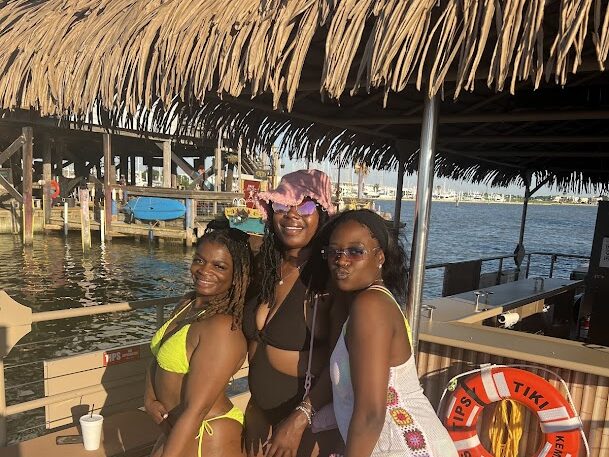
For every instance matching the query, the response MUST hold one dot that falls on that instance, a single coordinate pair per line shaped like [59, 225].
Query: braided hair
[268, 260]
[236, 242]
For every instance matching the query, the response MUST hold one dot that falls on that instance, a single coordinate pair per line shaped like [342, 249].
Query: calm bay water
[55, 274]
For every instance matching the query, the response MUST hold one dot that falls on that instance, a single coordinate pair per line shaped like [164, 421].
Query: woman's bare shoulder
[373, 304]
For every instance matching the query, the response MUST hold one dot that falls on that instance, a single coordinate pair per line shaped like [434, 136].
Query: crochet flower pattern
[401, 417]
[414, 439]
[392, 397]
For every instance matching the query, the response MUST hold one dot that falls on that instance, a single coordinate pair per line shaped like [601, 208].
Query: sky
[389, 178]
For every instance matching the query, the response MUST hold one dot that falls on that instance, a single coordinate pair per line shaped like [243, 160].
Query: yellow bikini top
[388, 292]
[171, 354]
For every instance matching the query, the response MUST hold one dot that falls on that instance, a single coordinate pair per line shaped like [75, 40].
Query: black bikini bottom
[274, 392]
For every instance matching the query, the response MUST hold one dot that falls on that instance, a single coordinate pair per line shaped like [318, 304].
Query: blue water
[55, 274]
[475, 230]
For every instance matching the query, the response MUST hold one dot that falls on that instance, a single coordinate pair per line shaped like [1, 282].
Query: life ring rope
[495, 387]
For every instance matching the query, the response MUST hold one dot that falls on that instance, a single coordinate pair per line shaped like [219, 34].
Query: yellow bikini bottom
[235, 414]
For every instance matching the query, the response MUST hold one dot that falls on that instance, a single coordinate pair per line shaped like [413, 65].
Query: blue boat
[155, 209]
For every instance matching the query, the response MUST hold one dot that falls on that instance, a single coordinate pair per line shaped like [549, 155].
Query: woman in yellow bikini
[198, 350]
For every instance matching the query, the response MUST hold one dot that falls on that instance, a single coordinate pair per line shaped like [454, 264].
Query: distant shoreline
[486, 202]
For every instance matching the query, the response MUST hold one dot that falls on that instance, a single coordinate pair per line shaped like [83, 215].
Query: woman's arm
[369, 335]
[287, 436]
[153, 407]
[217, 356]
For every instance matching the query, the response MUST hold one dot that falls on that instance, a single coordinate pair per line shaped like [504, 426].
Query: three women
[379, 404]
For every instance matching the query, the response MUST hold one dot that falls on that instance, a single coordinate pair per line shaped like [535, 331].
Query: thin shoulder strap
[388, 293]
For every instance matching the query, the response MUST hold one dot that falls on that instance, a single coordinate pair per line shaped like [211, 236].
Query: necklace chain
[282, 278]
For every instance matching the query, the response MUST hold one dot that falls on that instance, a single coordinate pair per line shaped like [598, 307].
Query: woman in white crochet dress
[379, 404]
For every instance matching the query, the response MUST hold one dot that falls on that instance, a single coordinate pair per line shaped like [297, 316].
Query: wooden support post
[102, 226]
[15, 221]
[47, 170]
[108, 181]
[150, 170]
[28, 204]
[85, 220]
[66, 223]
[189, 221]
[239, 165]
[174, 176]
[218, 166]
[132, 178]
[59, 151]
[167, 164]
[218, 170]
[124, 168]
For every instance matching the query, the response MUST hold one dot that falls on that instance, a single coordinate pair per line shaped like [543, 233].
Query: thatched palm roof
[198, 63]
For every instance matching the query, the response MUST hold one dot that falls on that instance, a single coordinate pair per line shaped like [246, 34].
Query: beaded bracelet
[309, 406]
[305, 411]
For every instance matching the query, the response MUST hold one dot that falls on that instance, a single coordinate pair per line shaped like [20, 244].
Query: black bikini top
[287, 329]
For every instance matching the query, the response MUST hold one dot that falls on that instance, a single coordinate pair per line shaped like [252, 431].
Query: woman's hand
[156, 410]
[287, 435]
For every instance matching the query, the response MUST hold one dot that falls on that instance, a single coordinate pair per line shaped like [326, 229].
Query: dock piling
[102, 225]
[85, 221]
[28, 203]
[108, 181]
[66, 225]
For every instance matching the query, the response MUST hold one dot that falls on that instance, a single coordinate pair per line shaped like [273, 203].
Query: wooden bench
[109, 382]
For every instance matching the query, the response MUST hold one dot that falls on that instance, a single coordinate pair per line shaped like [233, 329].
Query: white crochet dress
[411, 426]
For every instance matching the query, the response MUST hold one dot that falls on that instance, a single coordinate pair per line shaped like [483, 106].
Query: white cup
[91, 425]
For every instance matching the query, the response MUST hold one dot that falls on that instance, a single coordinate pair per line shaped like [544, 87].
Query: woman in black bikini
[278, 320]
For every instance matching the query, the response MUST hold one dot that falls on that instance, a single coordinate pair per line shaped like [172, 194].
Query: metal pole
[552, 263]
[520, 251]
[422, 215]
[2, 406]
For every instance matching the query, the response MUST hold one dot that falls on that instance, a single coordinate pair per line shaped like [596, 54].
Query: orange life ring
[559, 423]
[55, 188]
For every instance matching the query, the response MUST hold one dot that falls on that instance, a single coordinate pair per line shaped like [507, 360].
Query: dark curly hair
[233, 301]
[268, 260]
[395, 268]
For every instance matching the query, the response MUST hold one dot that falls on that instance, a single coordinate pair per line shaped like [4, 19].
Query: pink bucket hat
[295, 187]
